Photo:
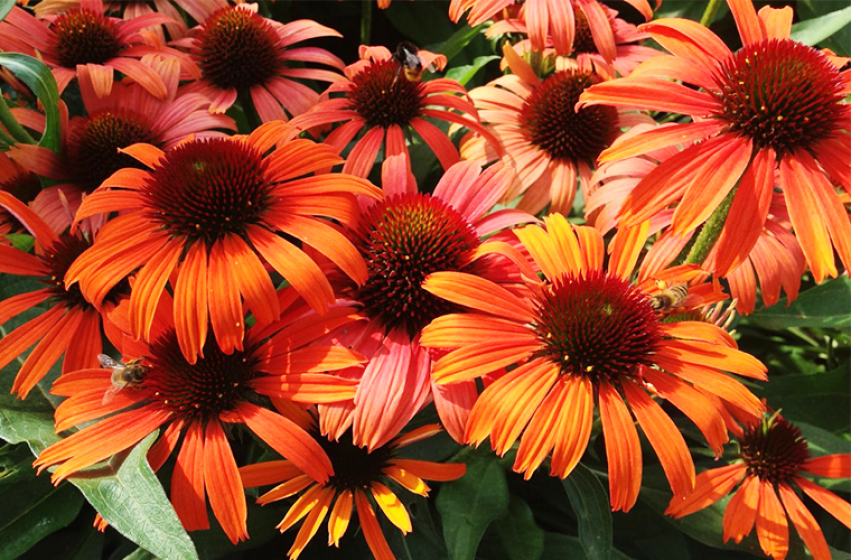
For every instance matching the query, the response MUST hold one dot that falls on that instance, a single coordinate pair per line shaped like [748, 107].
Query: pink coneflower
[628, 55]
[403, 239]
[378, 99]
[89, 148]
[239, 51]
[551, 145]
[86, 37]
[558, 20]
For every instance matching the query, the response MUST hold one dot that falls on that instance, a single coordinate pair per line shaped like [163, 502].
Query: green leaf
[566, 547]
[460, 39]
[840, 41]
[813, 31]
[469, 505]
[826, 305]
[32, 507]
[21, 241]
[134, 503]
[37, 76]
[132, 500]
[521, 537]
[591, 505]
[6, 7]
[822, 399]
[463, 74]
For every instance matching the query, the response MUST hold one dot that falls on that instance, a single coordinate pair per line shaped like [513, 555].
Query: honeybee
[669, 299]
[409, 61]
[123, 375]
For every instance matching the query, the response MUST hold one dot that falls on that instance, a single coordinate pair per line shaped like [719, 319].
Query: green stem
[12, 125]
[710, 231]
[251, 116]
[365, 21]
[709, 13]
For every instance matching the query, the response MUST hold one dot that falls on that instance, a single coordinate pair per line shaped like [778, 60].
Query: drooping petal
[771, 526]
[623, 449]
[804, 523]
[187, 481]
[740, 515]
[709, 487]
[190, 303]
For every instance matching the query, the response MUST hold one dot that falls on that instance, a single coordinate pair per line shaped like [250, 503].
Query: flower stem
[251, 117]
[14, 128]
[710, 231]
[365, 21]
[709, 13]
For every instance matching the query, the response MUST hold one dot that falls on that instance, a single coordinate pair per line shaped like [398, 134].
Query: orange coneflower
[552, 146]
[557, 21]
[198, 400]
[776, 258]
[773, 104]
[380, 100]
[239, 50]
[71, 325]
[403, 239]
[360, 482]
[772, 457]
[587, 332]
[84, 36]
[206, 209]
[89, 145]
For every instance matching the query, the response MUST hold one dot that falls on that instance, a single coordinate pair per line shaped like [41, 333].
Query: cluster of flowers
[167, 232]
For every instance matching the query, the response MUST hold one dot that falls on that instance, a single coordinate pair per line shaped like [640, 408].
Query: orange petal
[270, 472]
[307, 387]
[312, 522]
[716, 383]
[187, 481]
[478, 293]
[285, 437]
[253, 280]
[805, 524]
[149, 287]
[457, 330]
[751, 28]
[664, 437]
[623, 449]
[144, 153]
[338, 521]
[714, 355]
[407, 480]
[830, 466]
[224, 486]
[626, 247]
[740, 514]
[709, 487]
[833, 504]
[771, 527]
[295, 266]
[190, 302]
[392, 507]
[226, 313]
[371, 529]
[661, 137]
[649, 93]
[476, 360]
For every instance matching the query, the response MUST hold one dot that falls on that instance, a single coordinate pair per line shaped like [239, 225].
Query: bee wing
[107, 362]
[110, 393]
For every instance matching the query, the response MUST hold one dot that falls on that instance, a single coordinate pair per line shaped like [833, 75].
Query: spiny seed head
[207, 188]
[238, 49]
[95, 146]
[354, 467]
[782, 95]
[552, 124]
[597, 326]
[84, 37]
[216, 383]
[774, 450]
[403, 240]
[383, 96]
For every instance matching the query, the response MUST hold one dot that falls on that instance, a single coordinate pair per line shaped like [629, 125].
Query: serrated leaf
[591, 505]
[469, 505]
[813, 31]
[463, 74]
[36, 75]
[132, 500]
[520, 536]
[826, 305]
[134, 503]
[33, 509]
